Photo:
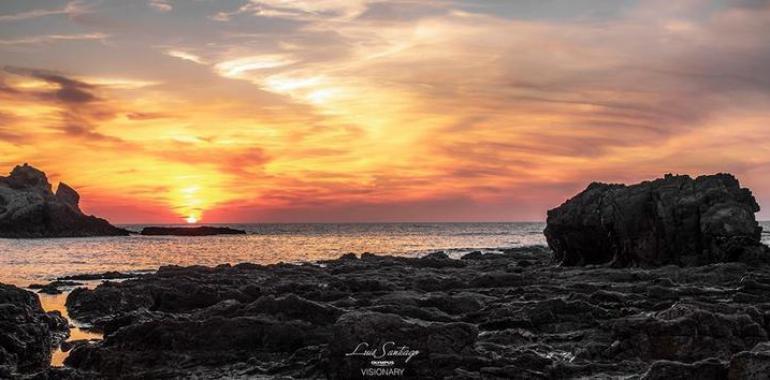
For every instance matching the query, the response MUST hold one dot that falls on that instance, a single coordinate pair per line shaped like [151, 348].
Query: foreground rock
[487, 316]
[674, 220]
[30, 209]
[27, 333]
[191, 231]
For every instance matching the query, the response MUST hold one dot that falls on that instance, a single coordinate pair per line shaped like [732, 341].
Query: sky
[163, 111]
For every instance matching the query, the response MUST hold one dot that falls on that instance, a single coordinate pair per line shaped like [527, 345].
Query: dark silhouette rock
[674, 220]
[68, 195]
[112, 275]
[27, 333]
[29, 209]
[191, 231]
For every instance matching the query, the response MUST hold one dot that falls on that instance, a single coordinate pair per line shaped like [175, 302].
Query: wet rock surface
[673, 220]
[191, 231]
[487, 316]
[30, 209]
[27, 333]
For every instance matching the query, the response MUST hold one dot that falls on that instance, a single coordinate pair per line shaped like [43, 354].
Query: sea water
[25, 261]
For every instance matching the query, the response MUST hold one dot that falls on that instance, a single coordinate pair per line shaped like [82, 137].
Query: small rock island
[191, 231]
[30, 209]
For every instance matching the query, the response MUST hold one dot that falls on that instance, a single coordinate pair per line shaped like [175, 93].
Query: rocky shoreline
[485, 316]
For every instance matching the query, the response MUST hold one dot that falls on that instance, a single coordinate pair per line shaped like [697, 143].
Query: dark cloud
[80, 109]
[69, 91]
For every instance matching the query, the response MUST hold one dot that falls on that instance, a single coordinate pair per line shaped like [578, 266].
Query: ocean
[28, 261]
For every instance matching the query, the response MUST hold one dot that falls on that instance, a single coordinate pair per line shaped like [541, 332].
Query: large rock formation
[674, 220]
[29, 209]
[27, 333]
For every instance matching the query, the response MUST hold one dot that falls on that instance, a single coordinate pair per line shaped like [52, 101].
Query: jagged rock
[68, 195]
[673, 220]
[29, 209]
[27, 333]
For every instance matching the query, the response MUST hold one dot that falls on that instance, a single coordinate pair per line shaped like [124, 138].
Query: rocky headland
[191, 231]
[702, 311]
[30, 209]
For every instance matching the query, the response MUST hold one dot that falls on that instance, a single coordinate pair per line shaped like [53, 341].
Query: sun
[192, 219]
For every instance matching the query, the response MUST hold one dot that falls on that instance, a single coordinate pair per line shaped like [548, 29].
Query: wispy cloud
[185, 56]
[298, 9]
[72, 8]
[160, 5]
[240, 67]
[53, 38]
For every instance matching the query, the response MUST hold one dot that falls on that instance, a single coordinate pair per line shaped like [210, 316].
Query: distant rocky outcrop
[27, 333]
[673, 220]
[30, 209]
[191, 231]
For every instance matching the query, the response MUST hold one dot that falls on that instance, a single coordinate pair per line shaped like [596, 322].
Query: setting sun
[192, 219]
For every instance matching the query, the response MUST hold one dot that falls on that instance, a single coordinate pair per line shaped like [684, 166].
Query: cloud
[241, 67]
[73, 8]
[299, 9]
[160, 5]
[53, 38]
[185, 56]
[78, 108]
[69, 90]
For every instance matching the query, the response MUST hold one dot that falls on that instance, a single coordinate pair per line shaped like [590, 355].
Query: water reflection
[52, 302]
[37, 260]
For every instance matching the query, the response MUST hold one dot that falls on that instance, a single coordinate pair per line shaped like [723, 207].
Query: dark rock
[191, 231]
[687, 333]
[545, 322]
[112, 275]
[27, 333]
[754, 364]
[709, 369]
[475, 255]
[68, 195]
[50, 289]
[673, 220]
[56, 284]
[29, 209]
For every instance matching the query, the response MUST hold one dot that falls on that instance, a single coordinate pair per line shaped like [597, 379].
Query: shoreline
[534, 317]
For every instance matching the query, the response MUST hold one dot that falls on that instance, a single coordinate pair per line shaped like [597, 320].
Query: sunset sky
[358, 110]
